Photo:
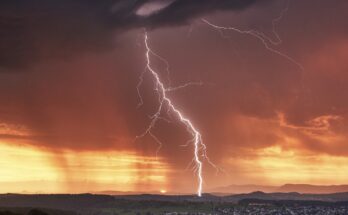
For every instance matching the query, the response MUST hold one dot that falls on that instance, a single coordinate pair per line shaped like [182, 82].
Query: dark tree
[36, 212]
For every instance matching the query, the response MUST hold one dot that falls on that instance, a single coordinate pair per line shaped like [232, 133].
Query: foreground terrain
[257, 203]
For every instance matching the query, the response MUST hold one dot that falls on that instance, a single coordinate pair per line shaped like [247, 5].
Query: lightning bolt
[266, 41]
[200, 151]
[166, 102]
[263, 38]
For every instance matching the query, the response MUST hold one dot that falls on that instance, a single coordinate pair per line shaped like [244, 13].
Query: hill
[286, 188]
[314, 189]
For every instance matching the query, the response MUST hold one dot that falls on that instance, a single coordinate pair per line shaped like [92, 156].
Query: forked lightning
[166, 102]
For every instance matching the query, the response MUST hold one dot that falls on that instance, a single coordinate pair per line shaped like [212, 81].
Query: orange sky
[43, 172]
[69, 112]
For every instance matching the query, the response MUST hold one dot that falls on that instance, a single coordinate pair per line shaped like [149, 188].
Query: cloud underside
[31, 31]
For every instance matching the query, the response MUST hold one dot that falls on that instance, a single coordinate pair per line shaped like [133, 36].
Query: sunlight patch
[152, 7]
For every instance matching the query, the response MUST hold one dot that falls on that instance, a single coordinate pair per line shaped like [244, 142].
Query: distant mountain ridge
[78, 202]
[332, 197]
[315, 189]
[286, 188]
[235, 189]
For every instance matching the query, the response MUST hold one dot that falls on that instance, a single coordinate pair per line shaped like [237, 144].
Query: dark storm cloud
[177, 12]
[32, 30]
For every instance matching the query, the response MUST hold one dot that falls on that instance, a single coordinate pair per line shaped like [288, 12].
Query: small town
[267, 210]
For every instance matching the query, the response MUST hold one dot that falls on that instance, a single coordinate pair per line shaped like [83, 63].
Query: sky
[69, 113]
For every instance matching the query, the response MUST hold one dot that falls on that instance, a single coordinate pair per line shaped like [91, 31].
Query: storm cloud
[37, 29]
